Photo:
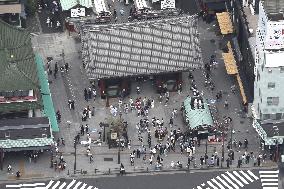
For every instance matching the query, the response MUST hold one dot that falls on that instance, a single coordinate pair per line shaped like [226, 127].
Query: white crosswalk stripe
[230, 180]
[269, 179]
[74, 184]
[224, 182]
[235, 179]
[210, 184]
[242, 179]
[215, 181]
[253, 175]
[246, 176]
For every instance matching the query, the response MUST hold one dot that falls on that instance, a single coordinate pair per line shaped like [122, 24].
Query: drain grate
[108, 159]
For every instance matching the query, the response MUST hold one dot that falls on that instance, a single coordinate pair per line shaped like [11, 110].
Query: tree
[30, 7]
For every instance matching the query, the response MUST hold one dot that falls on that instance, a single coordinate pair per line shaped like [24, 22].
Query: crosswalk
[74, 184]
[269, 179]
[230, 180]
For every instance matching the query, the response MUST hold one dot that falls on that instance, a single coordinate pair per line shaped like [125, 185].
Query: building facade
[268, 105]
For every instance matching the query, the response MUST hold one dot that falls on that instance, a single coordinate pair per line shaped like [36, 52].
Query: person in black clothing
[201, 160]
[218, 161]
[228, 163]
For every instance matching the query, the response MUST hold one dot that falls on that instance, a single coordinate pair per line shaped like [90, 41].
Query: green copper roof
[17, 65]
[68, 4]
[25, 143]
[46, 95]
[197, 117]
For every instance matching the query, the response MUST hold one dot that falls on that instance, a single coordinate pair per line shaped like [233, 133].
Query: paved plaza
[70, 86]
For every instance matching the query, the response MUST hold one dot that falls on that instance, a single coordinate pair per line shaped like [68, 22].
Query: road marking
[224, 182]
[253, 175]
[230, 181]
[25, 185]
[56, 184]
[62, 185]
[198, 187]
[269, 184]
[83, 187]
[49, 184]
[234, 178]
[77, 185]
[246, 176]
[242, 178]
[269, 172]
[270, 187]
[210, 184]
[71, 183]
[218, 183]
[269, 180]
[268, 176]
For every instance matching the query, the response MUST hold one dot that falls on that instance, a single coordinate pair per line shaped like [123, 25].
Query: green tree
[30, 7]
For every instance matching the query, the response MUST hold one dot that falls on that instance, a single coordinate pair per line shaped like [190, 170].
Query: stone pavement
[71, 86]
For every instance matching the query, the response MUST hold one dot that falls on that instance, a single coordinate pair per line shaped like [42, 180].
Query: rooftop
[274, 9]
[17, 65]
[141, 48]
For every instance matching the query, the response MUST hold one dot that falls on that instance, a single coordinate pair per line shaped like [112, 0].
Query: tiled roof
[197, 117]
[141, 48]
[19, 106]
[68, 4]
[17, 65]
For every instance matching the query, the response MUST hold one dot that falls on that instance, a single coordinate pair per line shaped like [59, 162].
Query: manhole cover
[108, 159]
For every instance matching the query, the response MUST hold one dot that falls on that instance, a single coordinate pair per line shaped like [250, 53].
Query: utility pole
[118, 153]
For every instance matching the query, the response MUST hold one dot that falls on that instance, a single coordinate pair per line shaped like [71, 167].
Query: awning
[45, 93]
[244, 98]
[9, 145]
[229, 61]
[197, 117]
[225, 23]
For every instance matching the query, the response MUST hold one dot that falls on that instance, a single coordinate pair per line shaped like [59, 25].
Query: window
[265, 116]
[282, 69]
[278, 116]
[271, 85]
[272, 101]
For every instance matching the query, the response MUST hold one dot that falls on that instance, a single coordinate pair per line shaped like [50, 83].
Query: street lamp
[75, 154]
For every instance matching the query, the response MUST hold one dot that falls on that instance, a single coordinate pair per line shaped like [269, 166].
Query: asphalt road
[164, 181]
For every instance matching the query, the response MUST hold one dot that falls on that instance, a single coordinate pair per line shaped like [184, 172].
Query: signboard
[275, 36]
[113, 136]
[168, 4]
[79, 12]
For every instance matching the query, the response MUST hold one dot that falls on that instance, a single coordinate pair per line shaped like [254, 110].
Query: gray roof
[141, 48]
[24, 128]
[274, 9]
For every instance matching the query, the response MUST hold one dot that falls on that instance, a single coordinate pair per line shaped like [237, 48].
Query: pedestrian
[66, 67]
[91, 158]
[48, 22]
[228, 162]
[87, 128]
[62, 141]
[239, 163]
[246, 143]
[226, 104]
[82, 130]
[201, 160]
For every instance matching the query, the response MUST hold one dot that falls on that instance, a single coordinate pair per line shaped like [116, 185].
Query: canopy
[225, 23]
[229, 61]
[46, 96]
[197, 117]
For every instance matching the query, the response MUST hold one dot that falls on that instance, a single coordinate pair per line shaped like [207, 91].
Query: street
[193, 180]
